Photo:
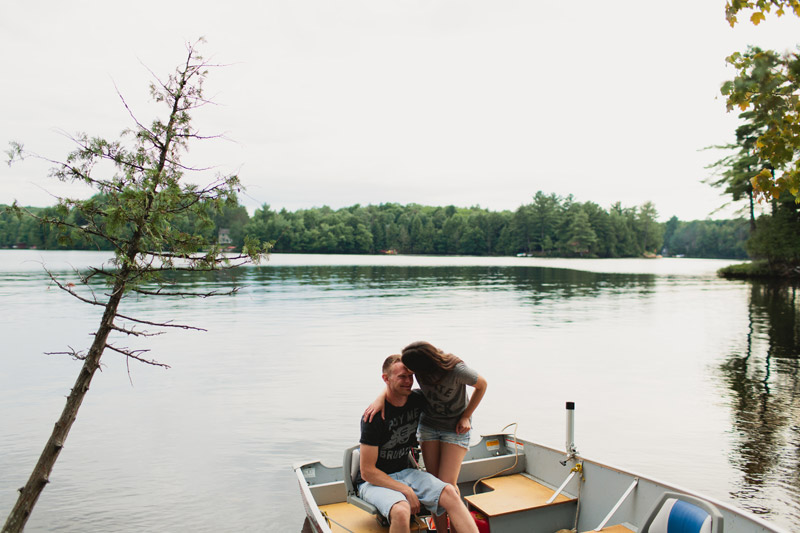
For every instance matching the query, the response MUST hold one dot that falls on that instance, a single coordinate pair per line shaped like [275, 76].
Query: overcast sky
[438, 102]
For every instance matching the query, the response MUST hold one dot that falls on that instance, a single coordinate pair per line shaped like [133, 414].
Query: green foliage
[767, 88]
[753, 269]
[724, 239]
[580, 237]
[548, 226]
[551, 227]
[776, 239]
[143, 212]
[760, 9]
[766, 162]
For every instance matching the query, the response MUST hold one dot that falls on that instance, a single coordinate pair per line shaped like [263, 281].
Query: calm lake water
[676, 374]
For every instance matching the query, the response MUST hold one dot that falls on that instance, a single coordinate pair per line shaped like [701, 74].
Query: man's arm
[372, 474]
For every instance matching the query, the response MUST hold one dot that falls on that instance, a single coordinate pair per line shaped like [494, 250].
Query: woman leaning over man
[444, 429]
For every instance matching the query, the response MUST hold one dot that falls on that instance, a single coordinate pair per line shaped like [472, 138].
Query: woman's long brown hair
[429, 363]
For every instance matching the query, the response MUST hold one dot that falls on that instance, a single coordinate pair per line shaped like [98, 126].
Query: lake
[675, 373]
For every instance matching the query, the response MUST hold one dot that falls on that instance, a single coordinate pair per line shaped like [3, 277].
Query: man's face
[399, 379]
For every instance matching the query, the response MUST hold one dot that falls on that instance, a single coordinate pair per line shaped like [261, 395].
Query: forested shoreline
[549, 226]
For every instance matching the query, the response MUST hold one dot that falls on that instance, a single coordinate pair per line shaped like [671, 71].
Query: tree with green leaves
[768, 84]
[766, 89]
[652, 233]
[759, 9]
[545, 217]
[580, 237]
[777, 242]
[133, 214]
[734, 172]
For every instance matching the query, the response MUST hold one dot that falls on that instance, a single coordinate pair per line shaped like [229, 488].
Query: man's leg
[459, 516]
[390, 503]
[400, 518]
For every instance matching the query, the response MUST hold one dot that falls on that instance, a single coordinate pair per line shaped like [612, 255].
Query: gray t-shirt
[448, 398]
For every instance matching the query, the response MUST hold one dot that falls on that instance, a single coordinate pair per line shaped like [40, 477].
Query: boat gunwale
[309, 502]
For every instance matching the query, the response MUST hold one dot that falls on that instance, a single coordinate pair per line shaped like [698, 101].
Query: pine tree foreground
[133, 211]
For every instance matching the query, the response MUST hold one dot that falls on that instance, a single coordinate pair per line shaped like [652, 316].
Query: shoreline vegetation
[561, 228]
[760, 269]
[549, 226]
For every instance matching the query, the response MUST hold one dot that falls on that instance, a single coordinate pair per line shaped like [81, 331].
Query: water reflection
[534, 282]
[762, 377]
[529, 280]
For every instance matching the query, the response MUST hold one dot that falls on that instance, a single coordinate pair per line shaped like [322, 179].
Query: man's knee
[449, 496]
[400, 512]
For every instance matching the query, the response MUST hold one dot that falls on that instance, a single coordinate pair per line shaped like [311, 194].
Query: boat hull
[608, 496]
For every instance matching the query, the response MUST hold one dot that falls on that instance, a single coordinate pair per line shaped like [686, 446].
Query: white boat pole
[570, 445]
[570, 448]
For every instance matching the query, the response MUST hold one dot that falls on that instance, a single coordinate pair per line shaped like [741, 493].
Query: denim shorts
[426, 486]
[425, 433]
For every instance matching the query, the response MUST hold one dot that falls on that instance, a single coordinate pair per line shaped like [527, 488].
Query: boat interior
[510, 486]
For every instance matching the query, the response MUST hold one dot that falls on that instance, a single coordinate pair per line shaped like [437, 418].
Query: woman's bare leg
[430, 454]
[450, 458]
[443, 460]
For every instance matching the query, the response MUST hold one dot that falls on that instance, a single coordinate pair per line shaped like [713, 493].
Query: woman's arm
[480, 389]
[375, 407]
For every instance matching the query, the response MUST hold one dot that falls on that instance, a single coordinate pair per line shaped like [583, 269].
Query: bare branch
[78, 356]
[163, 292]
[159, 324]
[68, 288]
[133, 354]
[130, 111]
[134, 332]
[95, 272]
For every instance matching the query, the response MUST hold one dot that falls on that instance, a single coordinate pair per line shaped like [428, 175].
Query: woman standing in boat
[444, 429]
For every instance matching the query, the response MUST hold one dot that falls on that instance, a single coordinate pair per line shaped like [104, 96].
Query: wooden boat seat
[346, 515]
[347, 511]
[511, 494]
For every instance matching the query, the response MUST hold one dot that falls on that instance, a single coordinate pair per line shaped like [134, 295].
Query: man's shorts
[425, 434]
[426, 486]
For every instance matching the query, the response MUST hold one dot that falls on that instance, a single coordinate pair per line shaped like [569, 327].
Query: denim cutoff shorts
[426, 486]
[425, 433]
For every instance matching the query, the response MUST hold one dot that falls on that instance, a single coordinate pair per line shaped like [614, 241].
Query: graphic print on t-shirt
[402, 428]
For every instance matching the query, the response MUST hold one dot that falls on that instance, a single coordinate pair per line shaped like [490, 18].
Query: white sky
[338, 102]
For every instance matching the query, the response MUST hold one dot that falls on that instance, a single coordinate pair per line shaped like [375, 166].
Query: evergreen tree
[581, 238]
[545, 217]
[134, 216]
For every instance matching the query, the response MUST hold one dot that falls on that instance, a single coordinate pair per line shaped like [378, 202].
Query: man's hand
[413, 501]
[369, 457]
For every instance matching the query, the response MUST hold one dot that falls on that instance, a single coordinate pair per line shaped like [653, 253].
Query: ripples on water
[676, 374]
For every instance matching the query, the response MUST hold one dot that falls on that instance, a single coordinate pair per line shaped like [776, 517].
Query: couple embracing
[438, 416]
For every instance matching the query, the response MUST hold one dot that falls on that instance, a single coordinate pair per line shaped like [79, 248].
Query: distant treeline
[548, 226]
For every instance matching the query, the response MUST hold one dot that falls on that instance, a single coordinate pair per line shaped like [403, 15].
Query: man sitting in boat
[389, 481]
